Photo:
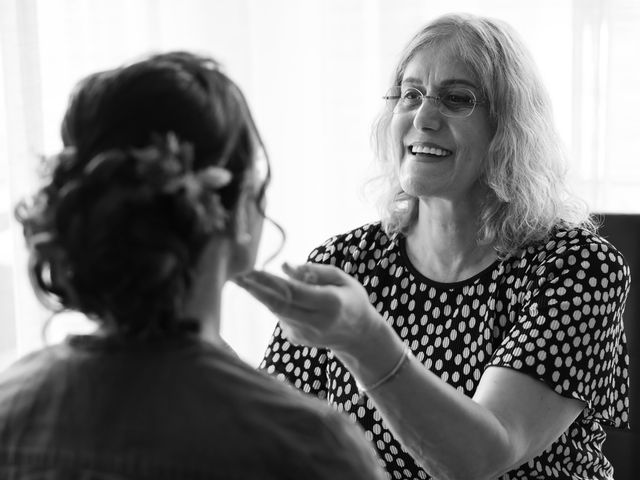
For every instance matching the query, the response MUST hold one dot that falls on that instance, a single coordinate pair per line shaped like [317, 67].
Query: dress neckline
[485, 272]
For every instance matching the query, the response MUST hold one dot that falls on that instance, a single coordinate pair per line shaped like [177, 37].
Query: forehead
[435, 65]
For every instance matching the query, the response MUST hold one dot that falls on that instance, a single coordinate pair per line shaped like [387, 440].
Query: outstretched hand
[318, 305]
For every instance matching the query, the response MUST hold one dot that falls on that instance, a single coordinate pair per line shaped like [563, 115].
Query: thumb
[316, 274]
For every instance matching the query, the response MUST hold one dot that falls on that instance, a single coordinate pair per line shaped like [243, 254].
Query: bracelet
[392, 373]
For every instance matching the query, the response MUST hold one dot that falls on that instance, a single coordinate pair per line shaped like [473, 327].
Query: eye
[411, 94]
[411, 97]
[458, 99]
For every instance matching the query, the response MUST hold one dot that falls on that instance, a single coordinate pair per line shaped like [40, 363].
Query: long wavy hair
[157, 153]
[525, 167]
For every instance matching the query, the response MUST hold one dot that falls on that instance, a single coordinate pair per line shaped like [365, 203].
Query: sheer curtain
[313, 72]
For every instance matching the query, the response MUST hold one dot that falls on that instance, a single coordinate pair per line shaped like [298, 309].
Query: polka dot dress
[553, 311]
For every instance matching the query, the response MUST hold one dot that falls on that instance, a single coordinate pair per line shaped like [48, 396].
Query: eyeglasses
[456, 102]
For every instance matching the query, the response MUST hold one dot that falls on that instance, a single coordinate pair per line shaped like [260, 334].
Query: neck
[205, 297]
[443, 244]
[203, 302]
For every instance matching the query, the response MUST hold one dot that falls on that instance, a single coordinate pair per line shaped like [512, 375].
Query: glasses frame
[435, 99]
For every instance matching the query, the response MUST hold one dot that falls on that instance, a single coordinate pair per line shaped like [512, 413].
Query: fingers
[289, 298]
[275, 295]
[296, 323]
[316, 274]
[300, 272]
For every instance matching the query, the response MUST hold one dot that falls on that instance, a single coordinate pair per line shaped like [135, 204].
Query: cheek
[397, 131]
[473, 141]
[483, 134]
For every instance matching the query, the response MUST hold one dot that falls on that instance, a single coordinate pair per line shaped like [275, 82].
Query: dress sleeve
[569, 332]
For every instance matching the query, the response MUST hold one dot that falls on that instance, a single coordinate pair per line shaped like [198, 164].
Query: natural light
[313, 72]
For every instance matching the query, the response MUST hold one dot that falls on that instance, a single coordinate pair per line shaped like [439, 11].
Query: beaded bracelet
[392, 373]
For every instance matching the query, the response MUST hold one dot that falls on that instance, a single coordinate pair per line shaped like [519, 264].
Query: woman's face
[440, 156]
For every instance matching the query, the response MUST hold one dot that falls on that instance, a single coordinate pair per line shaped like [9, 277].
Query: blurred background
[313, 72]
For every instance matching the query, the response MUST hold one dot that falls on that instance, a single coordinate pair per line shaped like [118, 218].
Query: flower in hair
[163, 159]
[201, 188]
[168, 163]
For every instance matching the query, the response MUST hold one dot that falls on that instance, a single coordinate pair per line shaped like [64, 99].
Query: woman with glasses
[156, 201]
[475, 330]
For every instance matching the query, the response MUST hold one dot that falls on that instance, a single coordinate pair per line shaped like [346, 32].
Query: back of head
[156, 155]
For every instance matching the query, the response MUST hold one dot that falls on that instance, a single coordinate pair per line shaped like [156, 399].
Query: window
[299, 64]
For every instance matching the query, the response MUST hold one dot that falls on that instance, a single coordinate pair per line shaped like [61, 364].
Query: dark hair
[111, 233]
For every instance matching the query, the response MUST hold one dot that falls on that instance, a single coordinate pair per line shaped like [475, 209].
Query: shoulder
[305, 427]
[331, 442]
[576, 249]
[575, 265]
[33, 366]
[351, 245]
[24, 383]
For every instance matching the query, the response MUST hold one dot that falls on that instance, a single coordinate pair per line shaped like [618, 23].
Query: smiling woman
[483, 292]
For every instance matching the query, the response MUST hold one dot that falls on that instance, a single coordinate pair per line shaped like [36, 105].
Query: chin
[420, 188]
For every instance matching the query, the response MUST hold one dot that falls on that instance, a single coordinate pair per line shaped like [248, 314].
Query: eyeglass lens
[452, 102]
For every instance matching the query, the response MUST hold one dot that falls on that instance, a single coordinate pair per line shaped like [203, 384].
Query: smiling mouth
[429, 151]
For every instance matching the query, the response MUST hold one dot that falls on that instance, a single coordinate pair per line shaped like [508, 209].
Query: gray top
[93, 408]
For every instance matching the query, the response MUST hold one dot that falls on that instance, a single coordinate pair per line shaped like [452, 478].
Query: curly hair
[117, 228]
[525, 166]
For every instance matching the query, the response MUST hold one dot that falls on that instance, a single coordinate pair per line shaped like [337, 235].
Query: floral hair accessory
[166, 167]
[201, 186]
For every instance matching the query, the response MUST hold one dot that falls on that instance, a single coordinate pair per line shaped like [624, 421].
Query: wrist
[390, 375]
[377, 354]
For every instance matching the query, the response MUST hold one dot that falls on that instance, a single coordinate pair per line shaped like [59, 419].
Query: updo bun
[148, 175]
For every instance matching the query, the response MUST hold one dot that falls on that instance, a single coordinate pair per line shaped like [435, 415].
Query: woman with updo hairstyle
[155, 202]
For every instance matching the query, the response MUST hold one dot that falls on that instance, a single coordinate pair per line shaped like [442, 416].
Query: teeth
[439, 152]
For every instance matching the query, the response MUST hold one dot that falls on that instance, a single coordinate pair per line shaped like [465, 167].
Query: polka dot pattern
[553, 311]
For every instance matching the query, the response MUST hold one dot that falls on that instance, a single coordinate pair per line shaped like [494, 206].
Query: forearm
[448, 433]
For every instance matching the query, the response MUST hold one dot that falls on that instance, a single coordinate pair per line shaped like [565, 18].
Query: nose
[428, 117]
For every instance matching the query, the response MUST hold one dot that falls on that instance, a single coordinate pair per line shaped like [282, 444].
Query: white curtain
[313, 72]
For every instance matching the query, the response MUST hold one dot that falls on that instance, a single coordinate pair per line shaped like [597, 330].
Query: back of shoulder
[30, 369]
[304, 433]
[360, 458]
[335, 448]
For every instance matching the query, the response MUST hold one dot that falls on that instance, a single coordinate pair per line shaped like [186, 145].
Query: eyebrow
[443, 83]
